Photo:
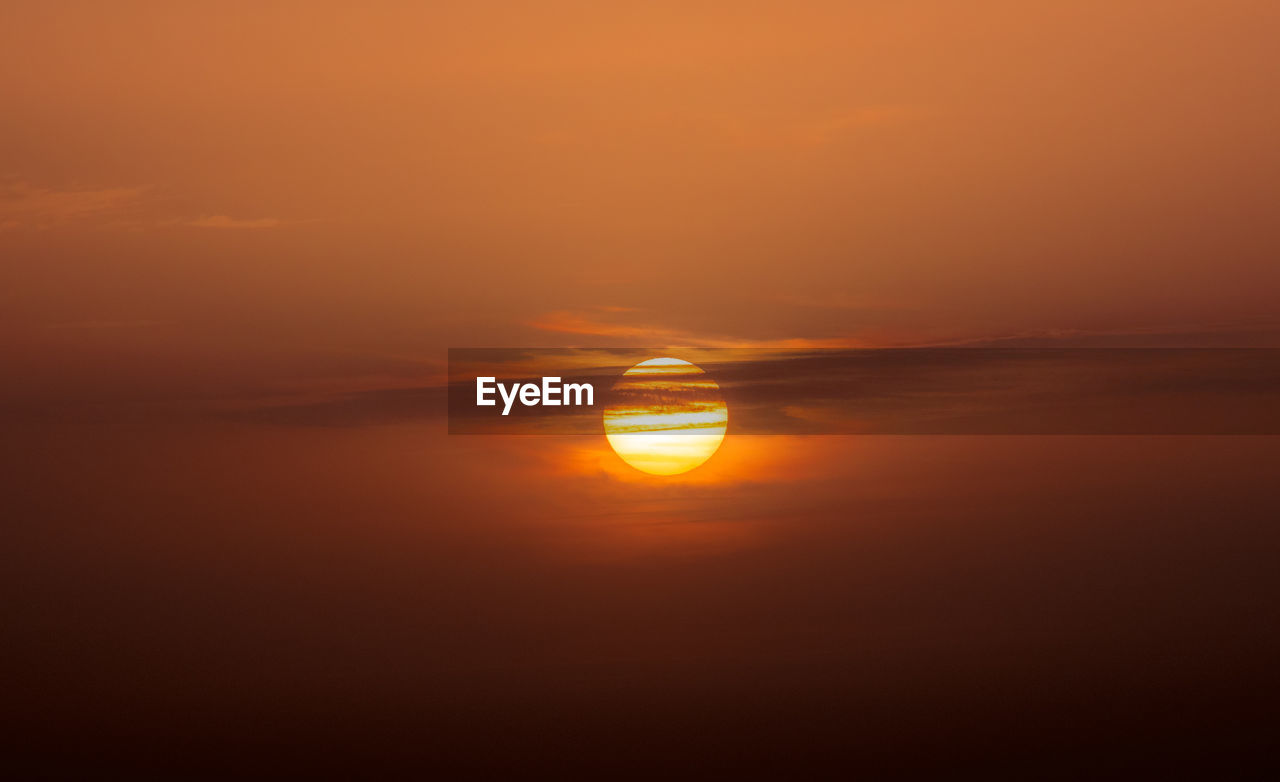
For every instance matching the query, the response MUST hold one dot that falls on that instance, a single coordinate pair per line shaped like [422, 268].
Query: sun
[666, 416]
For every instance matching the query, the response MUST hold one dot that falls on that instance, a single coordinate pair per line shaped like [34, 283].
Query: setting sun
[667, 418]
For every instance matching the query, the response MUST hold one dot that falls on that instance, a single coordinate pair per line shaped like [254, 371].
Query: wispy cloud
[223, 221]
[25, 206]
[960, 390]
[627, 325]
[630, 327]
[1191, 335]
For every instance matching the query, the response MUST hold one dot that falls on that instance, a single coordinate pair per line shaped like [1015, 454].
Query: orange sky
[324, 181]
[211, 212]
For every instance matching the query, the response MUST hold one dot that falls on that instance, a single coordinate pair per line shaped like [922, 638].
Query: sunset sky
[237, 240]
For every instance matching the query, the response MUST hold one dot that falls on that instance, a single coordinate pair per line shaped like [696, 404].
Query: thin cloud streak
[23, 205]
[590, 324]
[233, 223]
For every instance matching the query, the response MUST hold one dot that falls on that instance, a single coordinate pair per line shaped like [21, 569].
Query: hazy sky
[375, 183]
[211, 208]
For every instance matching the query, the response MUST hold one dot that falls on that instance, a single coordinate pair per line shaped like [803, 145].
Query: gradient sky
[208, 210]
[391, 180]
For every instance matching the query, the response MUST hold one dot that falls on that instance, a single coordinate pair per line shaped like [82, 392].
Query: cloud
[825, 130]
[1201, 335]
[612, 322]
[571, 322]
[223, 221]
[25, 206]
[362, 408]
[956, 391]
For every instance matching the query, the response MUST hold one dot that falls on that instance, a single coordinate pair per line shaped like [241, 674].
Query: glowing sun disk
[668, 418]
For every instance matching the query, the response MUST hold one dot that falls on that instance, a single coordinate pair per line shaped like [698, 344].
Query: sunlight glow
[668, 417]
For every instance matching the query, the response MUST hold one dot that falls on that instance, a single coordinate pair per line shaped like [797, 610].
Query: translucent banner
[699, 391]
